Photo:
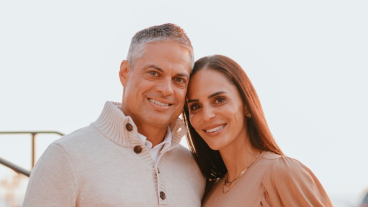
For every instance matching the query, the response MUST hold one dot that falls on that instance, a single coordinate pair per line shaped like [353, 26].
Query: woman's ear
[245, 109]
[124, 72]
[247, 112]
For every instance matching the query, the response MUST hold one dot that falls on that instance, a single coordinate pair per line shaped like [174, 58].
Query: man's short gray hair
[164, 32]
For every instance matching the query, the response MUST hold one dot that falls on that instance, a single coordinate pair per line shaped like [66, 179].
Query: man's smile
[158, 102]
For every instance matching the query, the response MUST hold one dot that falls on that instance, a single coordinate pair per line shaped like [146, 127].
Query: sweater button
[162, 195]
[129, 127]
[137, 149]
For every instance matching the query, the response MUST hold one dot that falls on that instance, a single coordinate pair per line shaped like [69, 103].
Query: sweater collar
[112, 123]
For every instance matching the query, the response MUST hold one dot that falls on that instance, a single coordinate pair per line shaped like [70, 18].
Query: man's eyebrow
[160, 69]
[183, 74]
[215, 94]
[155, 67]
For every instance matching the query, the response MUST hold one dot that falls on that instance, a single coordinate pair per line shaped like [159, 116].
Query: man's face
[155, 88]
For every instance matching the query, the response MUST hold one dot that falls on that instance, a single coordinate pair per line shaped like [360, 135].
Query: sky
[308, 61]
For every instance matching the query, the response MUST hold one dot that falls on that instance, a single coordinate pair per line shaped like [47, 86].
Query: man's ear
[124, 72]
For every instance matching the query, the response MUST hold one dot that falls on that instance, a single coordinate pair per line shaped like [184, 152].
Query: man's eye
[179, 80]
[154, 73]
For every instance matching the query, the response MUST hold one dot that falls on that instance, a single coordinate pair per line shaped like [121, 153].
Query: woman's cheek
[193, 120]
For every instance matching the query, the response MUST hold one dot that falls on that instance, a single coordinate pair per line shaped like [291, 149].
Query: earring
[248, 115]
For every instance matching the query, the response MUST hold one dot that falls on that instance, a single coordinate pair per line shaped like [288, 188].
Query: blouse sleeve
[290, 183]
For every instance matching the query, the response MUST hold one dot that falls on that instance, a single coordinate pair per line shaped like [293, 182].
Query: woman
[232, 144]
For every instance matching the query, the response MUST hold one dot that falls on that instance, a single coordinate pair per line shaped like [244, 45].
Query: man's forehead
[161, 55]
[164, 44]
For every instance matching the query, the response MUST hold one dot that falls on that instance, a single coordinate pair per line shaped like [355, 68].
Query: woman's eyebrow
[210, 96]
[215, 94]
[193, 100]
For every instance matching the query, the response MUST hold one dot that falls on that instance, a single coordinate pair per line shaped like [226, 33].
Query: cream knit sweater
[105, 164]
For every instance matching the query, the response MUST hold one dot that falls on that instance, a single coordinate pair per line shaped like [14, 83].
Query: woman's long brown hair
[210, 161]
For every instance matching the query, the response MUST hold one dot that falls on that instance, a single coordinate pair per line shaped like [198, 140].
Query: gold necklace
[232, 183]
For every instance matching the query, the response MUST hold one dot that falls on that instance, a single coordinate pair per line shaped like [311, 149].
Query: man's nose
[165, 87]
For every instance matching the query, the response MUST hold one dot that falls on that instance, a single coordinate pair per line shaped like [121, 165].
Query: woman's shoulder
[282, 164]
[286, 172]
[289, 182]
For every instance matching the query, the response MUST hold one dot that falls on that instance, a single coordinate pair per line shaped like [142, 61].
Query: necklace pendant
[228, 188]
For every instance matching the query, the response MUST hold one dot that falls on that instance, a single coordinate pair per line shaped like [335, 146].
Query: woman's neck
[238, 156]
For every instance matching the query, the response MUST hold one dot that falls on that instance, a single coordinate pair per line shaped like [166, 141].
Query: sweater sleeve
[52, 182]
[290, 183]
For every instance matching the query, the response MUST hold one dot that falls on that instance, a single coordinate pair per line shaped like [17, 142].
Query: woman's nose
[208, 113]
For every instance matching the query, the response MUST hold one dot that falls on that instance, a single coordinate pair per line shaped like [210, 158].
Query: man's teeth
[158, 103]
[215, 129]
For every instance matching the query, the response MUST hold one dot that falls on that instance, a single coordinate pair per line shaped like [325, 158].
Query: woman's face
[216, 109]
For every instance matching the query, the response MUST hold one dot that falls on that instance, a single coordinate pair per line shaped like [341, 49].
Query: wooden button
[158, 170]
[162, 195]
[129, 127]
[137, 149]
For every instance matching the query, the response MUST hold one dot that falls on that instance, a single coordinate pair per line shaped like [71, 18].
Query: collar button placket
[162, 195]
[129, 127]
[137, 149]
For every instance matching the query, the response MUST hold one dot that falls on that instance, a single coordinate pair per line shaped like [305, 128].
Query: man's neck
[154, 134]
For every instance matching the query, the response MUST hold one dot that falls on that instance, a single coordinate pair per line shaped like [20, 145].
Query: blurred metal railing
[15, 167]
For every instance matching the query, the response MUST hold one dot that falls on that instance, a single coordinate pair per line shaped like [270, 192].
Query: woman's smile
[214, 130]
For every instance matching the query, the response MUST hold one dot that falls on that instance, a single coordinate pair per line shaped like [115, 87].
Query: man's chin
[158, 121]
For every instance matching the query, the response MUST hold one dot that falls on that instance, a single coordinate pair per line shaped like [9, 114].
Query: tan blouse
[273, 180]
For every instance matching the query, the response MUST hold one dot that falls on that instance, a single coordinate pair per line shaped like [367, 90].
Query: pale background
[59, 63]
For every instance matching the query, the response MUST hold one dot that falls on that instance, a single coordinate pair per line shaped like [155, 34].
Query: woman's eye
[194, 107]
[219, 100]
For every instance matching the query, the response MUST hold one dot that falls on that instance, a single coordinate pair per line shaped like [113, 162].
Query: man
[131, 155]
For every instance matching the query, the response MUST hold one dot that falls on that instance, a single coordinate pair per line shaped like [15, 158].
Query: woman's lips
[214, 129]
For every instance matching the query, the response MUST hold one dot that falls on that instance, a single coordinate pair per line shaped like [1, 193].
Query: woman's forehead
[209, 81]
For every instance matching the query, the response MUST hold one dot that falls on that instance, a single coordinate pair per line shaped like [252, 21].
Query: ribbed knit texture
[97, 166]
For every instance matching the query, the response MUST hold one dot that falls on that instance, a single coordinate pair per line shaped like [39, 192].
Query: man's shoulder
[181, 154]
[79, 137]
[182, 151]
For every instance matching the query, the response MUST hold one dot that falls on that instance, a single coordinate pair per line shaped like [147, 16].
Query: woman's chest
[246, 192]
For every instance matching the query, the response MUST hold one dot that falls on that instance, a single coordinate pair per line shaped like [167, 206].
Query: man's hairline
[141, 48]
